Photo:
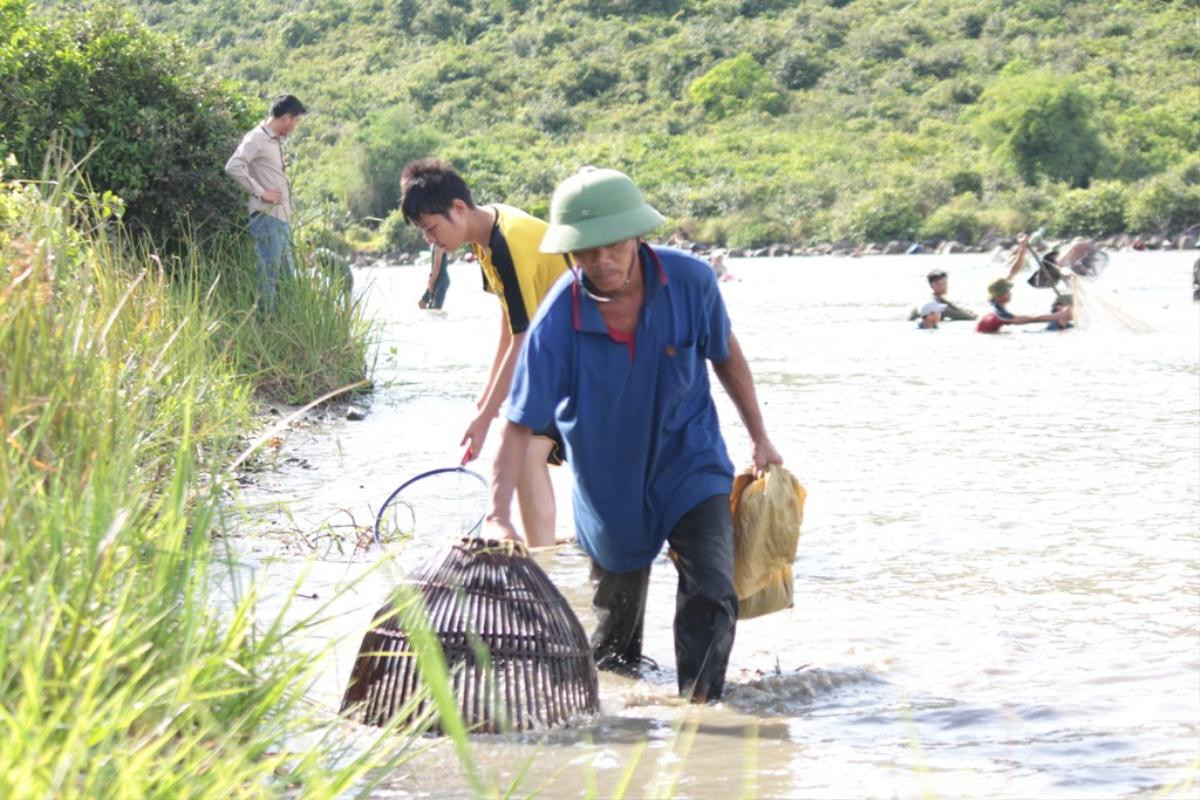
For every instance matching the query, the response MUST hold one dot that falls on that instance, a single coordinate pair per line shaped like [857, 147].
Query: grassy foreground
[122, 395]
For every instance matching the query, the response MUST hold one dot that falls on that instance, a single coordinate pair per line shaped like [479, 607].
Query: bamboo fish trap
[517, 655]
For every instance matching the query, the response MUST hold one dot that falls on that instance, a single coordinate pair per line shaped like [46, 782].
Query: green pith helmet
[997, 288]
[595, 207]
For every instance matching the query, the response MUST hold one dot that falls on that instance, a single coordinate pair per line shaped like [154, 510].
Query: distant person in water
[718, 264]
[1080, 257]
[1024, 249]
[1062, 302]
[938, 283]
[1000, 292]
[439, 280]
[931, 315]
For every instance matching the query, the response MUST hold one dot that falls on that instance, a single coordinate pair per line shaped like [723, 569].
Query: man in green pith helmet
[617, 358]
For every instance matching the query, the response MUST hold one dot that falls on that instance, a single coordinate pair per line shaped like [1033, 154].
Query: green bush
[1024, 208]
[399, 236]
[1163, 204]
[746, 231]
[737, 84]
[960, 220]
[1097, 211]
[369, 164]
[797, 69]
[1043, 125]
[122, 672]
[883, 215]
[151, 127]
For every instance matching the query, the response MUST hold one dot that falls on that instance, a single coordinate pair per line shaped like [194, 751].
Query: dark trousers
[705, 603]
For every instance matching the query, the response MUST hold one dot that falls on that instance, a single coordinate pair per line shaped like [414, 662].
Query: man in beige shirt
[258, 167]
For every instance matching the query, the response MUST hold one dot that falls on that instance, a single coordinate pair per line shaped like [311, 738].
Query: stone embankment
[1187, 240]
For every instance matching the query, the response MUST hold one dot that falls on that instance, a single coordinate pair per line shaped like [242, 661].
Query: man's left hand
[764, 454]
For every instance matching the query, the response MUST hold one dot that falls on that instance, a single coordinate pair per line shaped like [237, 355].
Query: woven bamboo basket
[517, 655]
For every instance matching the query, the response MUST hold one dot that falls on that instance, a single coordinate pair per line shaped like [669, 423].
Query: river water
[997, 588]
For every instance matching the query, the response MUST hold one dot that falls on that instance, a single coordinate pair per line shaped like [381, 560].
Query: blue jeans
[273, 241]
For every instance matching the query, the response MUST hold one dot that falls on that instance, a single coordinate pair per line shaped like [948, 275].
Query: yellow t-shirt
[514, 267]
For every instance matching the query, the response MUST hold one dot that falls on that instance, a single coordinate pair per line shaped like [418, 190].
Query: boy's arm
[497, 358]
[507, 349]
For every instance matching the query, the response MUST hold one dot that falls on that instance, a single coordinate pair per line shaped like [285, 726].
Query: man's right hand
[272, 196]
[497, 527]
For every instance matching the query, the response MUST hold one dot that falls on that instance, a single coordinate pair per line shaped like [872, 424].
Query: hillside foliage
[145, 122]
[746, 121]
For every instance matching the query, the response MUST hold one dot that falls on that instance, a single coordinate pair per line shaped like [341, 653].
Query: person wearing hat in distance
[616, 358]
[505, 241]
[939, 282]
[931, 315]
[1000, 292]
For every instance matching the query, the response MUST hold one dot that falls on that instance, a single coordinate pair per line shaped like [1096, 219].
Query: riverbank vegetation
[131, 360]
[120, 675]
[748, 122]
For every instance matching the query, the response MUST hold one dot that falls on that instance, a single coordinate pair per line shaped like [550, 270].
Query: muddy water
[997, 585]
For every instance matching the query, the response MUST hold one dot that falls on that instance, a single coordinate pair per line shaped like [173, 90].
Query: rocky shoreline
[1188, 240]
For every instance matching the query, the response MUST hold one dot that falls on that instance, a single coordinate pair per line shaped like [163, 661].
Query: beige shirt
[257, 165]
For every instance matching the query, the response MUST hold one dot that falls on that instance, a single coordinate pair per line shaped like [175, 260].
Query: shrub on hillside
[748, 231]
[736, 84]
[1163, 204]
[1023, 208]
[1097, 211]
[151, 128]
[1043, 125]
[796, 69]
[370, 162]
[958, 219]
[883, 215]
[398, 236]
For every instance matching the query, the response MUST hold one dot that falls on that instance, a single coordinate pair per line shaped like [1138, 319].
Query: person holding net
[504, 239]
[617, 358]
[1000, 293]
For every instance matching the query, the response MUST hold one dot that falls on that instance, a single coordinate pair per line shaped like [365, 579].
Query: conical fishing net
[516, 654]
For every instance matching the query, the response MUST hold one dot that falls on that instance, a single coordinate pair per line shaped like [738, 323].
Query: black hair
[287, 104]
[936, 275]
[430, 186]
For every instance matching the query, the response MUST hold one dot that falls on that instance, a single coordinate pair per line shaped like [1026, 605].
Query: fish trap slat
[518, 657]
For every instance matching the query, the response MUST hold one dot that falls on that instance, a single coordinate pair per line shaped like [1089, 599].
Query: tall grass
[315, 340]
[120, 399]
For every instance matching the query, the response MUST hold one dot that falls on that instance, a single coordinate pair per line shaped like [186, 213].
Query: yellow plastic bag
[767, 513]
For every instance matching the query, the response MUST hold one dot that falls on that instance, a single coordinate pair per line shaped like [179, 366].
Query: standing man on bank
[617, 358]
[259, 167]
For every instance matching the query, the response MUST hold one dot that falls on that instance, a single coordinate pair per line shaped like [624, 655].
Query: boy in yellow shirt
[506, 242]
